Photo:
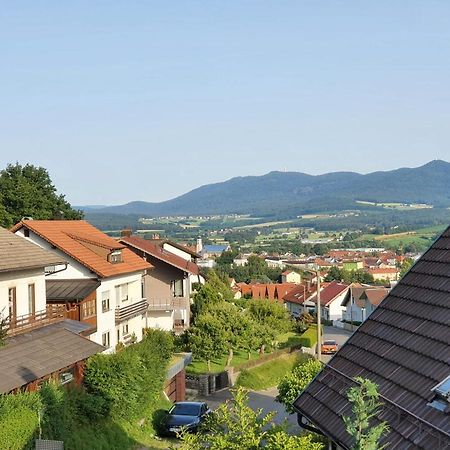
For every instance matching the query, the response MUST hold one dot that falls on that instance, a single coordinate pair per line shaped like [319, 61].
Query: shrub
[295, 382]
[309, 337]
[19, 421]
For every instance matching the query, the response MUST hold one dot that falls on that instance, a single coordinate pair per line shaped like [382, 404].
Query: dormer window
[442, 395]
[115, 257]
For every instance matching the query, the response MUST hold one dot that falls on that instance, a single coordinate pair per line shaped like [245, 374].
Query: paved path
[338, 334]
[258, 399]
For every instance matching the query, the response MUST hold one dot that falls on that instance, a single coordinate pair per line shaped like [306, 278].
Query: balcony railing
[22, 324]
[167, 304]
[130, 311]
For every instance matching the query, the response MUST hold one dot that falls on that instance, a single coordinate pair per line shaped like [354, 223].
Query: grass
[270, 373]
[122, 434]
[240, 357]
[218, 364]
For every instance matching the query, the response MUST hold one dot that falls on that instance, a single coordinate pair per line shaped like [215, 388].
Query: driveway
[258, 399]
[338, 334]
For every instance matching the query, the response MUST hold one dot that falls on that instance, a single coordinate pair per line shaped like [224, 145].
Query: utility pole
[319, 322]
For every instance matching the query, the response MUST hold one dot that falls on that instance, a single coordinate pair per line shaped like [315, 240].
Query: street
[339, 335]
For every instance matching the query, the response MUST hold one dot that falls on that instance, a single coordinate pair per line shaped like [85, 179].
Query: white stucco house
[102, 284]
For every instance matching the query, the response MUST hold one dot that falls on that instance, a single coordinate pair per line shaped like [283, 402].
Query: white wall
[160, 319]
[20, 280]
[106, 320]
[334, 308]
[177, 251]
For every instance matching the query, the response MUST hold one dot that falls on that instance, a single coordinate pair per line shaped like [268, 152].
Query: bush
[295, 382]
[19, 420]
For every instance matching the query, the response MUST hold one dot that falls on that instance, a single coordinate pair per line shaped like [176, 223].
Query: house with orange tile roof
[102, 284]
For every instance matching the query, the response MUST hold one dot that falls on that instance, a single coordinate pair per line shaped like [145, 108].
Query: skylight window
[442, 395]
[443, 389]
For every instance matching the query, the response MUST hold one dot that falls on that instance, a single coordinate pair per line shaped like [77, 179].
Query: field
[399, 206]
[422, 237]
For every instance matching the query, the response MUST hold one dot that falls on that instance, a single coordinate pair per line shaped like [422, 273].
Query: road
[257, 399]
[339, 335]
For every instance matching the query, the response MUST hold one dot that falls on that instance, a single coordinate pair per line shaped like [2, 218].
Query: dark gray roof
[17, 253]
[30, 356]
[404, 347]
[70, 289]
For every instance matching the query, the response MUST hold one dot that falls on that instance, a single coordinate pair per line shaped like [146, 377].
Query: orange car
[329, 347]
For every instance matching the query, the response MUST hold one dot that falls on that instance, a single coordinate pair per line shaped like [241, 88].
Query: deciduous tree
[29, 191]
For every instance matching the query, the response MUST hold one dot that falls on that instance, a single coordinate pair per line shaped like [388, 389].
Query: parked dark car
[187, 415]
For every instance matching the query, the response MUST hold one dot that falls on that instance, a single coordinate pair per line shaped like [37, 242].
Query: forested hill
[290, 192]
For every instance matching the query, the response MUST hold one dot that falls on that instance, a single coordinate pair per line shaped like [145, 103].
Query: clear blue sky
[145, 100]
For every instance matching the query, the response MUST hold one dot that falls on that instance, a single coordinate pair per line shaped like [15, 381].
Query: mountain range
[288, 193]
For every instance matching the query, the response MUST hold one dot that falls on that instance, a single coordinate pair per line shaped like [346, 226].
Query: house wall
[160, 319]
[292, 277]
[106, 320]
[176, 251]
[20, 280]
[157, 288]
[334, 309]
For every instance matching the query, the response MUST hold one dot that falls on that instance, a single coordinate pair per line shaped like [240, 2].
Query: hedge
[309, 337]
[19, 420]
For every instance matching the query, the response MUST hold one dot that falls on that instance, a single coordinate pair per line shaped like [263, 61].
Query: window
[125, 328]
[177, 288]
[115, 257]
[122, 292]
[105, 339]
[31, 299]
[12, 306]
[442, 395]
[66, 377]
[88, 309]
[26, 232]
[105, 301]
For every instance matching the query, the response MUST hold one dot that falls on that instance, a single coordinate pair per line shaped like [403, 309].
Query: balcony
[130, 311]
[168, 304]
[28, 322]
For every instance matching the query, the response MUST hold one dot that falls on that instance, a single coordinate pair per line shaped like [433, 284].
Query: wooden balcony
[130, 311]
[27, 322]
[168, 304]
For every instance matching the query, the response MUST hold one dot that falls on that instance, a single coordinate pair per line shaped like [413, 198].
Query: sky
[146, 100]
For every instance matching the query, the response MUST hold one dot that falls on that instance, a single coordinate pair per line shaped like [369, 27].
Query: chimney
[127, 232]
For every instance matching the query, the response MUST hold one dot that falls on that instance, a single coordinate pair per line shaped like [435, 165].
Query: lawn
[270, 373]
[240, 357]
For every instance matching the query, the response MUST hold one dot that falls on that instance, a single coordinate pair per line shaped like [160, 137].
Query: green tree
[295, 382]
[29, 191]
[366, 406]
[270, 313]
[207, 338]
[406, 265]
[236, 426]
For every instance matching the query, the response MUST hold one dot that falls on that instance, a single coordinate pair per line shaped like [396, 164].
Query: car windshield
[329, 343]
[185, 409]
